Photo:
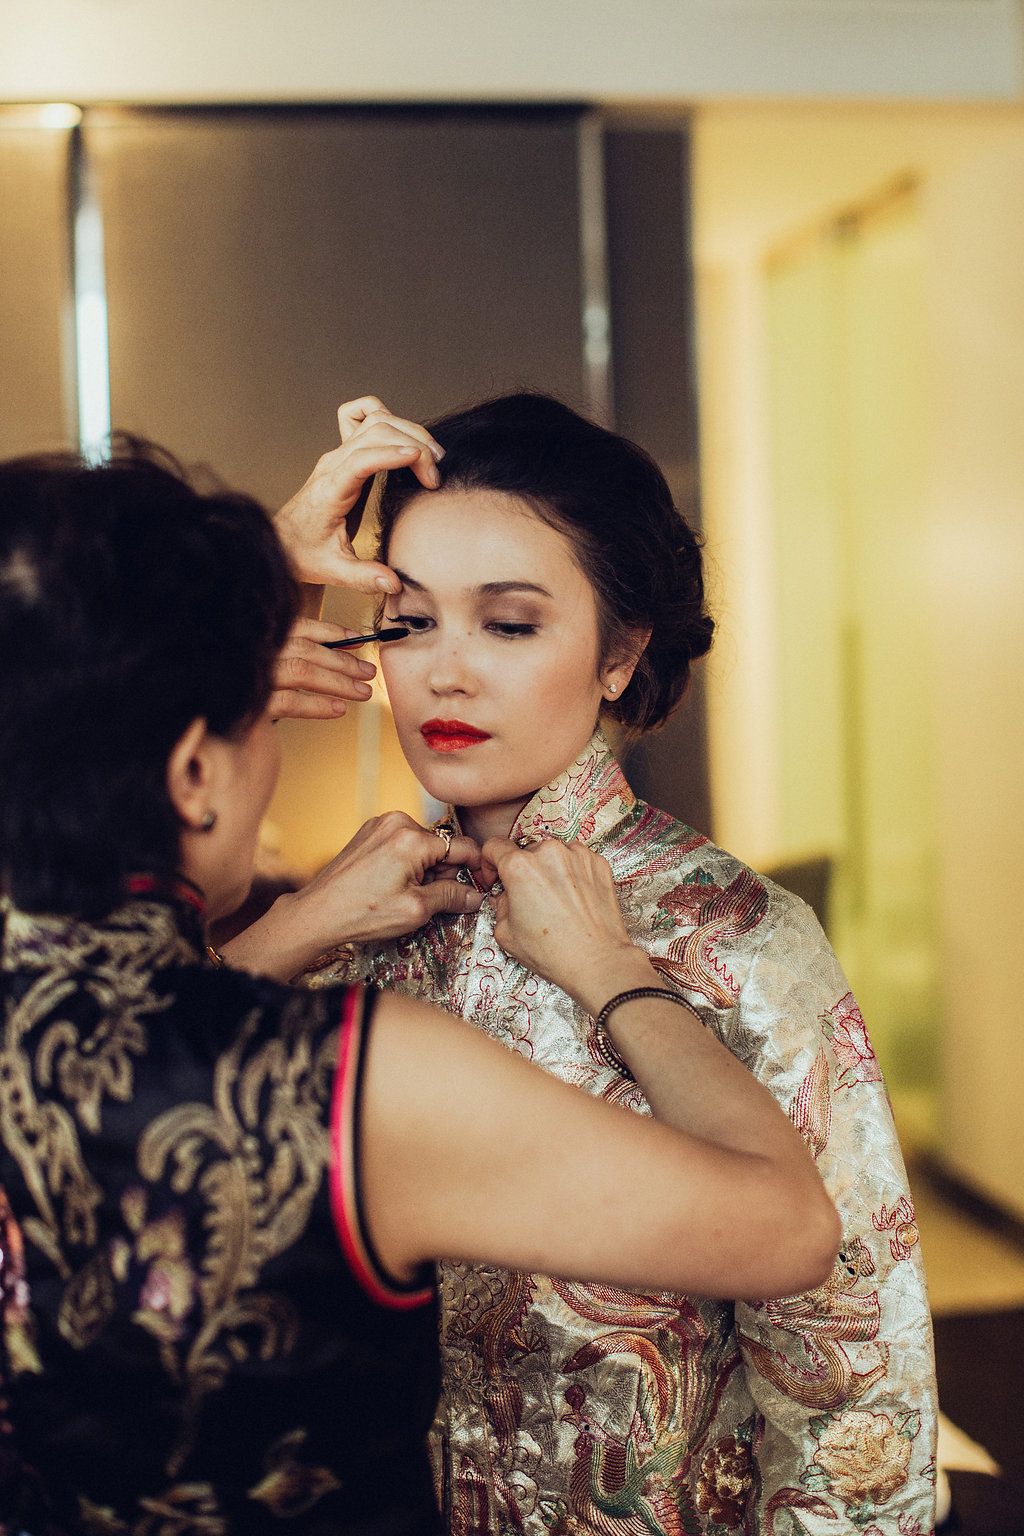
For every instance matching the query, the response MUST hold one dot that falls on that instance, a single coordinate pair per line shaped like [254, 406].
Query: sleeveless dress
[575, 1409]
[198, 1339]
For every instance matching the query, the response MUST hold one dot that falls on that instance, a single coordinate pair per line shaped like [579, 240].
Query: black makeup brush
[398, 633]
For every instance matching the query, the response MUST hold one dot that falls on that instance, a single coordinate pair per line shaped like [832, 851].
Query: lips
[451, 735]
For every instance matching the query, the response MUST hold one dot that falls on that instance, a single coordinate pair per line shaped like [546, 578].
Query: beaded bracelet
[604, 1047]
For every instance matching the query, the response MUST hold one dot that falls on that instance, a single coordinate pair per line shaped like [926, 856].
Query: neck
[481, 822]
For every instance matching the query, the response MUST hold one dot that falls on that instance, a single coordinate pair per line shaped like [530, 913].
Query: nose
[451, 670]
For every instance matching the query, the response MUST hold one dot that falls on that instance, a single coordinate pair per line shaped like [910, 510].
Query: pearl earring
[613, 687]
[208, 822]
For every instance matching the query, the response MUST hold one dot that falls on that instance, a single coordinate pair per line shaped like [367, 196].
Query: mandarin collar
[159, 922]
[585, 803]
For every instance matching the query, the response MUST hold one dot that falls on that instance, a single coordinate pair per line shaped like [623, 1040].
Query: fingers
[382, 445]
[318, 524]
[357, 415]
[353, 413]
[449, 896]
[462, 853]
[305, 665]
[368, 422]
[288, 704]
[321, 630]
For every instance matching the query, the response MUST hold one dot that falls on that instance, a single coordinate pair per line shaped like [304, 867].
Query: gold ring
[446, 837]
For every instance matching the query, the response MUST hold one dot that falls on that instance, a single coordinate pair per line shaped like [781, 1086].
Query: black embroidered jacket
[198, 1340]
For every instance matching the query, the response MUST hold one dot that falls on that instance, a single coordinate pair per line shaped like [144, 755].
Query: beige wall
[762, 175]
[976, 566]
[429, 50]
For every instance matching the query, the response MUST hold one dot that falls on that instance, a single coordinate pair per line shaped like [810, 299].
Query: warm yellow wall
[976, 570]
[335, 774]
[761, 175]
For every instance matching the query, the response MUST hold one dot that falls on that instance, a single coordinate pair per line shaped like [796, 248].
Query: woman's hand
[318, 524]
[390, 879]
[559, 915]
[314, 684]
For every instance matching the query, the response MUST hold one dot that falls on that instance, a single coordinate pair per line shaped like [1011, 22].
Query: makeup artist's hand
[559, 915]
[318, 524]
[377, 887]
[311, 683]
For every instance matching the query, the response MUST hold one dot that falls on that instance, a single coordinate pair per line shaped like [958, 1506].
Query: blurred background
[778, 242]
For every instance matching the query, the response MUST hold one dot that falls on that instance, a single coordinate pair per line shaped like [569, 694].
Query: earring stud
[613, 687]
[208, 822]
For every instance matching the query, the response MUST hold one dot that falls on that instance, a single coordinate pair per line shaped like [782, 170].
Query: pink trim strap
[344, 1171]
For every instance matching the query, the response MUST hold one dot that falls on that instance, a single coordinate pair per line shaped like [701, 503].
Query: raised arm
[469, 1152]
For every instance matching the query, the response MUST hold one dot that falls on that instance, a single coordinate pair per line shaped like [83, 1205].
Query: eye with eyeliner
[508, 629]
[416, 623]
[503, 629]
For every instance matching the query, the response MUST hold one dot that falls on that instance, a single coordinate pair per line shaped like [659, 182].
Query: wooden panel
[651, 289]
[264, 267]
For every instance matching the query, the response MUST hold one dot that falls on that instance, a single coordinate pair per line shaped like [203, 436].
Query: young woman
[219, 1194]
[549, 585]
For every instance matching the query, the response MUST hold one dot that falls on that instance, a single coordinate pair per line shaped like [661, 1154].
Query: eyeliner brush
[398, 633]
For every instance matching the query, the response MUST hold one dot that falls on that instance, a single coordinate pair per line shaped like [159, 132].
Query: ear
[190, 775]
[619, 666]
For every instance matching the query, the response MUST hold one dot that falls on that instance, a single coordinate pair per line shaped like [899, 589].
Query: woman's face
[496, 689]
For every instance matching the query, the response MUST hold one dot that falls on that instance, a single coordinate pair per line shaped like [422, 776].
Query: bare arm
[470, 1152]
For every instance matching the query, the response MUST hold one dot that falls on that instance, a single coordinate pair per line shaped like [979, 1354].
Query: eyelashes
[412, 621]
[505, 629]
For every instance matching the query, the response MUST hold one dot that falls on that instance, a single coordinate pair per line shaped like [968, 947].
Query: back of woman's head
[130, 604]
[612, 503]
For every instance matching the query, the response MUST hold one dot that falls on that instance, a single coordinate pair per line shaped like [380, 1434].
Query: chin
[460, 783]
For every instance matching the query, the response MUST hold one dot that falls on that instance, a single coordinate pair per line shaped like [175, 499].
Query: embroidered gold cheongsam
[589, 1410]
[196, 1338]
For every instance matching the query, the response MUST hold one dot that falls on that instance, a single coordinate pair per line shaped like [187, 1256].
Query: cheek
[399, 675]
[564, 683]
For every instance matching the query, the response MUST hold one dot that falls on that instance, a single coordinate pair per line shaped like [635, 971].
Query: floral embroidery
[844, 1026]
[862, 1458]
[726, 1481]
[95, 1066]
[167, 1286]
[291, 1487]
[254, 1209]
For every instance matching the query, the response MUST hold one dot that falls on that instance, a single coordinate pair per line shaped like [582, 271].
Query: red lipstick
[451, 735]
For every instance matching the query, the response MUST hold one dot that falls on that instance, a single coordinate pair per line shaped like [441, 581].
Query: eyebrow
[486, 589]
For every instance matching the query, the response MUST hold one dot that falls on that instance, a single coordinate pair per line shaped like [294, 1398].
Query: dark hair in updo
[130, 604]
[611, 501]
